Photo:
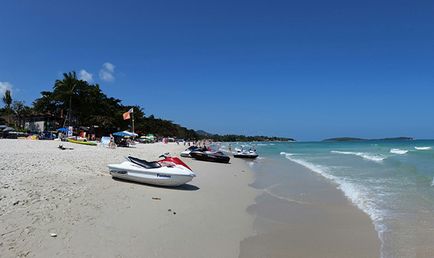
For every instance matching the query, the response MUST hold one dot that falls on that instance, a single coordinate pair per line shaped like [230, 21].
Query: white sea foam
[368, 156]
[423, 148]
[398, 151]
[286, 153]
[356, 193]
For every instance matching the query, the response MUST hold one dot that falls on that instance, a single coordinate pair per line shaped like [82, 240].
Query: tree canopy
[78, 103]
[89, 106]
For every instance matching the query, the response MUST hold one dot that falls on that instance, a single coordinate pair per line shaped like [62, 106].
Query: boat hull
[156, 177]
[82, 142]
[209, 157]
[185, 154]
[241, 156]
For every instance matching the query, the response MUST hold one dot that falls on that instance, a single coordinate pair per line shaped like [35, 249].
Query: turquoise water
[391, 181]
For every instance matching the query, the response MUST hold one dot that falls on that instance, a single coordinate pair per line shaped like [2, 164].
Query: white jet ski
[153, 173]
[250, 154]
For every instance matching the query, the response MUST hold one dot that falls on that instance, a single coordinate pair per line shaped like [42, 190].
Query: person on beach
[112, 143]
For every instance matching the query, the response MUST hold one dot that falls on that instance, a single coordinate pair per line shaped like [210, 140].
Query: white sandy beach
[45, 190]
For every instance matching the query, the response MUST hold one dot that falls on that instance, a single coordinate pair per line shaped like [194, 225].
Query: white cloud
[106, 76]
[107, 72]
[109, 67]
[85, 76]
[5, 86]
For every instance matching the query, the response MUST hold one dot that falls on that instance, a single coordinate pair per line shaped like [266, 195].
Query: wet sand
[301, 214]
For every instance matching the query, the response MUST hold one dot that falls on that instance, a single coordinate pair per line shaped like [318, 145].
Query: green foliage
[20, 110]
[244, 138]
[89, 106]
[6, 112]
[7, 99]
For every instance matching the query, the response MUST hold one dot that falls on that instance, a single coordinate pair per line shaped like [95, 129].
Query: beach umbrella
[63, 130]
[121, 134]
[132, 134]
[125, 134]
[8, 129]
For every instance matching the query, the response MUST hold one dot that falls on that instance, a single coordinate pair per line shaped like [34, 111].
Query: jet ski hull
[209, 157]
[185, 154]
[246, 156]
[164, 176]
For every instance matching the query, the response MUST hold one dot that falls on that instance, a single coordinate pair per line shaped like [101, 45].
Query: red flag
[126, 115]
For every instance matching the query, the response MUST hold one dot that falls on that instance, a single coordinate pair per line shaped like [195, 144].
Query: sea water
[391, 181]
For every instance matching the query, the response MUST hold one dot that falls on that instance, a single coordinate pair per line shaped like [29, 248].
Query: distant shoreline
[353, 139]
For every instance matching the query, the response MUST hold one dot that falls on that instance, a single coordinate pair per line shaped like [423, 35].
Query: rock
[156, 198]
[53, 234]
[16, 202]
[174, 213]
[169, 210]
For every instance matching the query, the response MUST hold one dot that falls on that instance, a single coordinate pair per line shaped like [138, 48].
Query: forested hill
[78, 103]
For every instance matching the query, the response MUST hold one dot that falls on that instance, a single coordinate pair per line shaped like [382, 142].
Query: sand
[69, 193]
[302, 214]
[64, 203]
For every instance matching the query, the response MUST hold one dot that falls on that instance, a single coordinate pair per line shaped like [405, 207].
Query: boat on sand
[153, 173]
[187, 152]
[213, 156]
[81, 142]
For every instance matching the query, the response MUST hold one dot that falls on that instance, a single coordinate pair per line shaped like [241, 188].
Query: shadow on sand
[185, 187]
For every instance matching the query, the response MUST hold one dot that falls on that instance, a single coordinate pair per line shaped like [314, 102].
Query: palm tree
[7, 99]
[66, 88]
[20, 110]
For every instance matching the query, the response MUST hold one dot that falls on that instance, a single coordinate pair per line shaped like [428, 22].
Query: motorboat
[187, 151]
[214, 156]
[153, 173]
[245, 154]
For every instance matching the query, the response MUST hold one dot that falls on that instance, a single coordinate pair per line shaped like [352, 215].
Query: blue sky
[304, 69]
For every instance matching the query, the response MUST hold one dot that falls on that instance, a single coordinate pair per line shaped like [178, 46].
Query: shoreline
[302, 214]
[229, 210]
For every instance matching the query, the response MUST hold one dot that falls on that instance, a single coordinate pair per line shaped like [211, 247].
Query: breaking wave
[357, 194]
[423, 148]
[398, 151]
[286, 153]
[368, 156]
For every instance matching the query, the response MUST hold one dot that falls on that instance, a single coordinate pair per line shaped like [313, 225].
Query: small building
[40, 123]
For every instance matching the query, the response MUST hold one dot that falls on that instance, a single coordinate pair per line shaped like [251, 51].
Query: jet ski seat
[144, 163]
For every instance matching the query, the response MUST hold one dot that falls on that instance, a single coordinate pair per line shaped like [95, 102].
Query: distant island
[353, 139]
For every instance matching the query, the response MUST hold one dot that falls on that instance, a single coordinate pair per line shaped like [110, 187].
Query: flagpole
[132, 120]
